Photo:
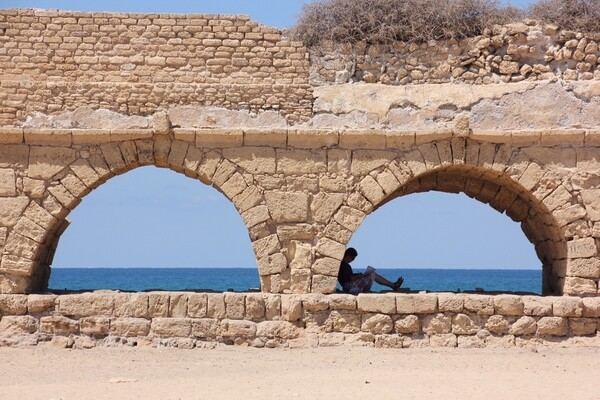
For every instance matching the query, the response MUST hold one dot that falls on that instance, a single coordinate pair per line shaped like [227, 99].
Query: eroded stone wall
[54, 61]
[508, 53]
[188, 320]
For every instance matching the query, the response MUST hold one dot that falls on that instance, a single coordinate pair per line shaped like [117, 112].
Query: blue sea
[246, 279]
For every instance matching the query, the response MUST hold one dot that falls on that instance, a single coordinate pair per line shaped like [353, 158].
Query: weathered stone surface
[482, 305]
[553, 326]
[39, 303]
[238, 328]
[171, 327]
[450, 302]
[409, 324]
[377, 323]
[497, 324]
[13, 304]
[59, 325]
[583, 326]
[567, 307]
[416, 303]
[537, 306]
[86, 305]
[130, 327]
[508, 305]
[377, 303]
[94, 326]
[463, 324]
[277, 329]
[18, 325]
[523, 326]
[437, 324]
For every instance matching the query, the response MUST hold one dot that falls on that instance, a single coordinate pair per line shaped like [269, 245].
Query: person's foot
[398, 283]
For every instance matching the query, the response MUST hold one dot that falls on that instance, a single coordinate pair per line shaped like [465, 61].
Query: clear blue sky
[153, 217]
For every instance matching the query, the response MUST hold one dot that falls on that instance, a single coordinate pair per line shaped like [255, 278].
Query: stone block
[377, 324]
[301, 162]
[341, 302]
[314, 302]
[537, 306]
[349, 218]
[197, 303]
[18, 325]
[377, 303]
[479, 304]
[215, 305]
[291, 308]
[95, 326]
[130, 327]
[436, 324]
[59, 325]
[463, 324]
[206, 328]
[508, 305]
[443, 340]
[11, 208]
[409, 324]
[277, 330]
[239, 328]
[389, 342]
[128, 305]
[8, 183]
[567, 307]
[497, 324]
[13, 304]
[500, 342]
[171, 327]
[330, 248]
[158, 304]
[323, 283]
[219, 138]
[287, 206]
[580, 286]
[324, 205]
[450, 302]
[416, 303]
[523, 326]
[266, 246]
[591, 307]
[235, 305]
[582, 248]
[255, 306]
[86, 305]
[552, 326]
[272, 264]
[369, 188]
[344, 322]
[40, 303]
[178, 305]
[584, 267]
[583, 326]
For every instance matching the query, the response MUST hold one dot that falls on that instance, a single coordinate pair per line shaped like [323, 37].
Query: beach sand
[229, 372]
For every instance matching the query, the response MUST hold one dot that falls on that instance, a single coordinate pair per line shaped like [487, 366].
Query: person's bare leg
[392, 285]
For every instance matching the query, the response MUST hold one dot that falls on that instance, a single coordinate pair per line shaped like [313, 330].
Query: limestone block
[20, 246]
[312, 138]
[479, 304]
[553, 326]
[301, 162]
[583, 326]
[377, 303]
[30, 229]
[324, 205]
[238, 328]
[235, 305]
[416, 303]
[8, 185]
[225, 170]
[341, 302]
[62, 194]
[537, 306]
[206, 328]
[326, 266]
[256, 215]
[389, 342]
[497, 324]
[369, 188]
[265, 137]
[287, 206]
[508, 305]
[86, 305]
[277, 329]
[463, 324]
[314, 302]
[215, 306]
[362, 139]
[337, 233]
[344, 322]
[11, 208]
[130, 327]
[365, 161]
[349, 218]
[178, 303]
[436, 324]
[219, 138]
[584, 267]
[13, 304]
[523, 326]
[580, 286]
[18, 325]
[131, 305]
[567, 307]
[443, 340]
[558, 198]
[255, 306]
[95, 326]
[171, 327]
[503, 342]
[40, 303]
[255, 160]
[114, 158]
[158, 304]
[322, 283]
[388, 181]
[34, 188]
[59, 325]
[196, 305]
[208, 167]
[272, 264]
[591, 307]
[266, 246]
[590, 201]
[338, 161]
[470, 342]
[291, 308]
[450, 302]
[248, 198]
[569, 214]
[45, 162]
[409, 324]
[330, 248]
[333, 184]
[15, 265]
[273, 306]
[377, 324]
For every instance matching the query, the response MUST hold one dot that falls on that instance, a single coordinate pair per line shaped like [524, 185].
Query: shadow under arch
[505, 196]
[30, 248]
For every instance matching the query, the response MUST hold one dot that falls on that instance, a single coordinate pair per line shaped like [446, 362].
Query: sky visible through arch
[152, 217]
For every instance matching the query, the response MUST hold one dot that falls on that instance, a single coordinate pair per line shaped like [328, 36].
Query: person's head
[350, 254]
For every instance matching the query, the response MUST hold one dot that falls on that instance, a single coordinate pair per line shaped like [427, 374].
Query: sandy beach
[229, 372]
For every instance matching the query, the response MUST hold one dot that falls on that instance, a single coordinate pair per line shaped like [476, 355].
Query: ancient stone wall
[508, 53]
[187, 320]
[53, 61]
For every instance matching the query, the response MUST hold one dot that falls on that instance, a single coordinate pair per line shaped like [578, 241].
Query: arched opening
[152, 228]
[503, 195]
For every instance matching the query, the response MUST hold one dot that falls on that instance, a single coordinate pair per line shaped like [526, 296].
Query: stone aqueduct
[233, 104]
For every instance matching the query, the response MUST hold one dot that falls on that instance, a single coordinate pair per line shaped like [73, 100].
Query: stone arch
[494, 174]
[30, 245]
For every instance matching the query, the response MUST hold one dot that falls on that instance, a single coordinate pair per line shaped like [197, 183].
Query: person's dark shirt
[345, 273]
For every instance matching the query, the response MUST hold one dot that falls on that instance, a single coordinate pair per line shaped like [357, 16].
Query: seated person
[360, 283]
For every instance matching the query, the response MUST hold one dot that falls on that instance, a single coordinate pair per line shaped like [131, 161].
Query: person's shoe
[398, 283]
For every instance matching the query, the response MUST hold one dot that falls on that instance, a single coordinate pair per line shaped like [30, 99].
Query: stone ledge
[262, 319]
